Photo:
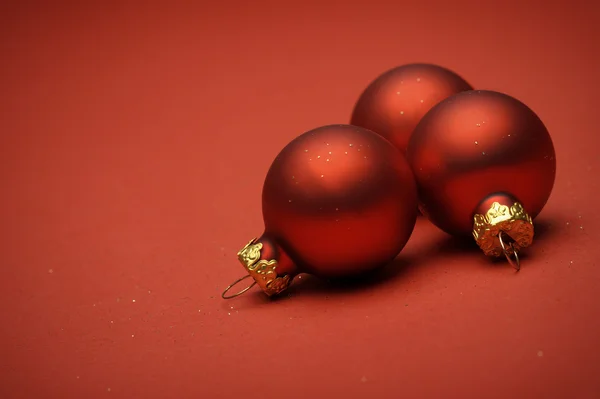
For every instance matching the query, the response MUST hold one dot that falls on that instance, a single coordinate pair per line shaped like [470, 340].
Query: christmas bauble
[395, 102]
[338, 200]
[484, 164]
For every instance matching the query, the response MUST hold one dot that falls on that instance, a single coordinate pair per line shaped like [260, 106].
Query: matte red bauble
[395, 102]
[484, 164]
[338, 200]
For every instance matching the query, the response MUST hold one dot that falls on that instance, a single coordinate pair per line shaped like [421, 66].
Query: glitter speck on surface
[540, 353]
[418, 79]
[133, 300]
[132, 335]
[108, 389]
[327, 160]
[401, 112]
[422, 101]
[350, 145]
[477, 143]
[318, 156]
[305, 150]
[322, 175]
[363, 379]
[329, 152]
[478, 124]
[346, 152]
[398, 93]
[50, 271]
[483, 153]
[289, 200]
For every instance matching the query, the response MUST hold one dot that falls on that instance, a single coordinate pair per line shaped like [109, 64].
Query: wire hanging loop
[236, 282]
[510, 253]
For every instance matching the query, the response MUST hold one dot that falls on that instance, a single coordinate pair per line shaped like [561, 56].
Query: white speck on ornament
[540, 353]
[293, 177]
[358, 149]
[418, 79]
[477, 143]
[483, 153]
[322, 175]
[346, 152]
[318, 156]
[329, 152]
[133, 300]
[401, 112]
[50, 271]
[337, 209]
[422, 101]
[108, 389]
[77, 377]
[326, 143]
[327, 160]
[229, 314]
[132, 335]
[350, 145]
[305, 150]
[289, 200]
[478, 124]
[581, 227]
[112, 322]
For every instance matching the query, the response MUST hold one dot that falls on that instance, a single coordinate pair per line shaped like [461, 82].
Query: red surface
[134, 144]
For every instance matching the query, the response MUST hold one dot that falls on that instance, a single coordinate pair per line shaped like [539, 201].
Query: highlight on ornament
[337, 201]
[485, 165]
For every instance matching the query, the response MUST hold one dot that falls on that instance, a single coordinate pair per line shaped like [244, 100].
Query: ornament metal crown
[262, 271]
[512, 221]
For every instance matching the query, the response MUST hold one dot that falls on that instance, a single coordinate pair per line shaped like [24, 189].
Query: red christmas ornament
[484, 164]
[338, 200]
[394, 103]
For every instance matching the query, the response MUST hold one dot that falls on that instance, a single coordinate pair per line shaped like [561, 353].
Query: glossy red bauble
[337, 201]
[477, 148]
[394, 103]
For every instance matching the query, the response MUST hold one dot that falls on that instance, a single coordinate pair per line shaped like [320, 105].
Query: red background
[134, 143]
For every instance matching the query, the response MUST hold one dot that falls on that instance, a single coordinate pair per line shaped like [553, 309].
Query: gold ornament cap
[264, 272]
[503, 230]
